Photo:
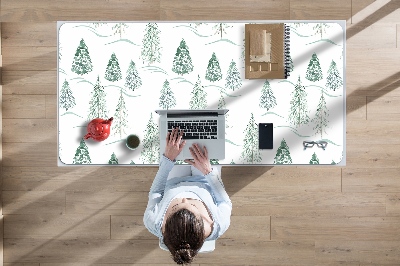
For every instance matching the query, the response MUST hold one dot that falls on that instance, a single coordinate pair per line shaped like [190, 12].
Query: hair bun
[184, 245]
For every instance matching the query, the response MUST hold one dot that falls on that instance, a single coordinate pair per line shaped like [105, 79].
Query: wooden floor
[281, 215]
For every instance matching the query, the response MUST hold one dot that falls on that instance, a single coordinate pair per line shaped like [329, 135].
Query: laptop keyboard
[195, 129]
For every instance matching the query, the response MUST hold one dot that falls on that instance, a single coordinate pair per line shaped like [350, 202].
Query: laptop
[204, 127]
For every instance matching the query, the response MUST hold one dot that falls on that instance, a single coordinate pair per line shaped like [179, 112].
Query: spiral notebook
[267, 51]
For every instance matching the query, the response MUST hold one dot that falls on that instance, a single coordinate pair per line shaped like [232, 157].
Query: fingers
[196, 152]
[189, 162]
[205, 152]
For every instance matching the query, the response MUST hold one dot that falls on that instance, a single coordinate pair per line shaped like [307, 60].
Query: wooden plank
[113, 264]
[51, 106]
[332, 9]
[228, 251]
[284, 179]
[29, 34]
[116, 10]
[383, 108]
[30, 58]
[335, 228]
[364, 252]
[15, 130]
[365, 155]
[45, 178]
[21, 264]
[29, 82]
[373, 132]
[309, 204]
[367, 12]
[372, 72]
[129, 227]
[223, 10]
[29, 154]
[107, 203]
[356, 108]
[381, 180]
[393, 204]
[24, 106]
[33, 202]
[50, 226]
[359, 6]
[384, 36]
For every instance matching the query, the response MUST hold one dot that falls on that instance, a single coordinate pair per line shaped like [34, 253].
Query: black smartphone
[265, 136]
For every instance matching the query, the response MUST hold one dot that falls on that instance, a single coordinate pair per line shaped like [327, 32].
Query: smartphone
[265, 136]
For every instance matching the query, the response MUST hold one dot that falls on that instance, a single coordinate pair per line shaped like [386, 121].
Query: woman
[189, 204]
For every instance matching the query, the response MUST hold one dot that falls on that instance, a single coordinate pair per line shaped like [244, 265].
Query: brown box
[264, 51]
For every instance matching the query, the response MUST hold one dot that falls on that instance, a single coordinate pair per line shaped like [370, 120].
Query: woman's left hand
[174, 145]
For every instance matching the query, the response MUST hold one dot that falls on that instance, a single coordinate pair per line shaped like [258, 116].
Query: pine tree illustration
[113, 159]
[120, 117]
[267, 99]
[222, 105]
[283, 154]
[298, 113]
[98, 24]
[182, 63]
[213, 72]
[132, 81]
[82, 63]
[233, 80]
[167, 98]
[220, 28]
[334, 80]
[151, 143]
[232, 162]
[199, 96]
[291, 65]
[67, 100]
[314, 159]
[151, 49]
[314, 71]
[333, 162]
[119, 28]
[320, 28]
[321, 116]
[113, 71]
[132, 162]
[251, 153]
[97, 104]
[214, 161]
[82, 154]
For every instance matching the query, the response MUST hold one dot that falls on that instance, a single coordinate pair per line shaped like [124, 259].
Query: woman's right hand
[200, 159]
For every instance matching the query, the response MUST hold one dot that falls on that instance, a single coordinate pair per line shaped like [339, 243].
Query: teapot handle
[87, 136]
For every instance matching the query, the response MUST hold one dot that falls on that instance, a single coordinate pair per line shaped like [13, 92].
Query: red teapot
[98, 129]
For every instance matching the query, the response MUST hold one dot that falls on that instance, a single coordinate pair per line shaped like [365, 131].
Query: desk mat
[128, 70]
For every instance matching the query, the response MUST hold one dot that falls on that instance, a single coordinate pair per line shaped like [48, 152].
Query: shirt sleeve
[223, 201]
[156, 194]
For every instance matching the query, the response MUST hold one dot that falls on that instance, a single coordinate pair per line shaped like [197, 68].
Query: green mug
[132, 142]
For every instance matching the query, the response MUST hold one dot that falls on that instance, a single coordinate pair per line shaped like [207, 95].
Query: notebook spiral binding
[287, 51]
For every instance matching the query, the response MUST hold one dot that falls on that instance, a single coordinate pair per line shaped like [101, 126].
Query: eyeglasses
[310, 144]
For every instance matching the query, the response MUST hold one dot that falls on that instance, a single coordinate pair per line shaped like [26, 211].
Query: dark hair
[184, 235]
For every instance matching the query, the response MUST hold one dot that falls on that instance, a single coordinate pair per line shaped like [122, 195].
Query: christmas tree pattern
[333, 162]
[113, 159]
[220, 28]
[199, 96]
[283, 154]
[334, 80]
[251, 153]
[167, 98]
[182, 63]
[314, 159]
[320, 28]
[222, 105]
[314, 71]
[213, 72]
[233, 80]
[214, 161]
[298, 113]
[321, 116]
[113, 71]
[151, 49]
[267, 99]
[120, 117]
[132, 162]
[82, 154]
[119, 28]
[67, 100]
[151, 143]
[82, 63]
[291, 65]
[132, 81]
[97, 104]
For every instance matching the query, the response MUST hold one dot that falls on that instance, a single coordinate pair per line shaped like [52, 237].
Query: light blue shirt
[209, 188]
